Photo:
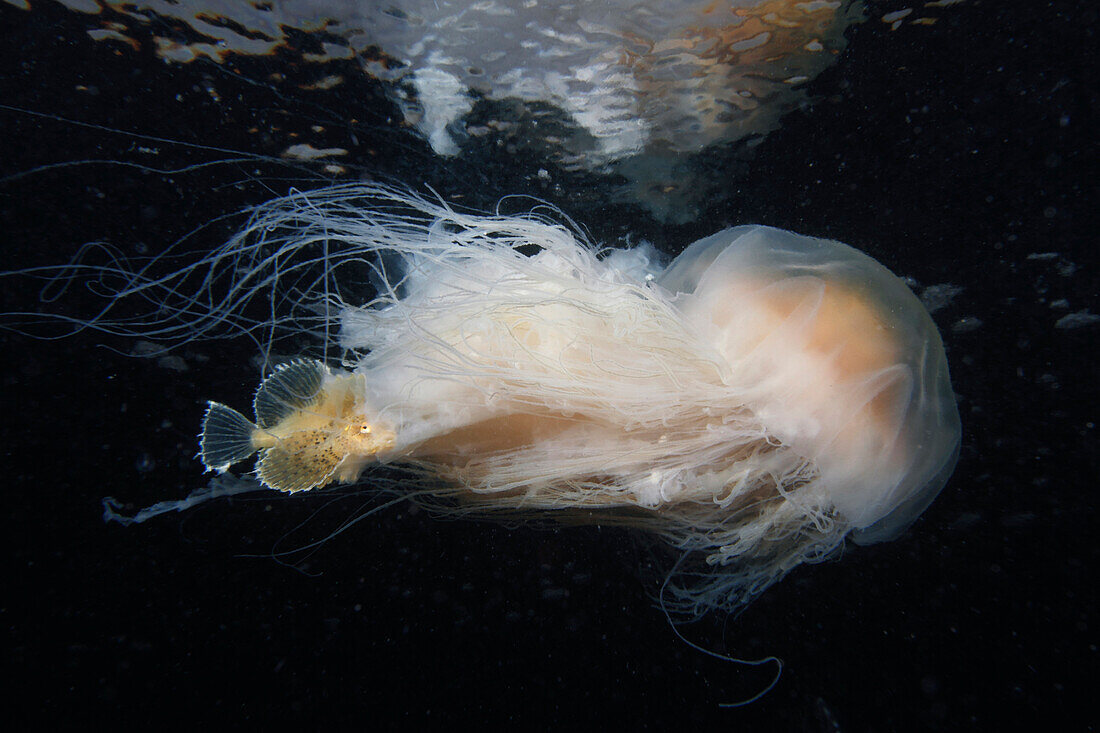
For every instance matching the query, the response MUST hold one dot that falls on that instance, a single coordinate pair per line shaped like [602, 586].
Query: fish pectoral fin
[302, 461]
[226, 437]
[291, 387]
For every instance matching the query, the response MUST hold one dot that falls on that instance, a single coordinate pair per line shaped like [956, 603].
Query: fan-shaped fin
[226, 437]
[292, 386]
[304, 460]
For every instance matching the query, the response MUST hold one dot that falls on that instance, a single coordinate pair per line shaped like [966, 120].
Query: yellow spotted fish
[309, 430]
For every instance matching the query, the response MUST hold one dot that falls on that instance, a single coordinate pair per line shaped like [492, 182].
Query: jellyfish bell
[841, 362]
[753, 404]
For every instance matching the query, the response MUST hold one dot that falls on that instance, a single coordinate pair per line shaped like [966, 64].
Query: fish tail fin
[226, 437]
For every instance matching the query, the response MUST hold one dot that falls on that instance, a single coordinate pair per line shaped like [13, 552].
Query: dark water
[961, 153]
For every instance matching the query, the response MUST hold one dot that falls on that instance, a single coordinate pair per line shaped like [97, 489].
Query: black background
[948, 152]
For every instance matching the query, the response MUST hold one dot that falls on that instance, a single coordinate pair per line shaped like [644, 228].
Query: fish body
[309, 430]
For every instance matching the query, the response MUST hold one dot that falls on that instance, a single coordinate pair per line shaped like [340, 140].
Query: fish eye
[364, 430]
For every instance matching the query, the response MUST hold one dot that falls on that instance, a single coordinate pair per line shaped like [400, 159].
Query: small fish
[308, 430]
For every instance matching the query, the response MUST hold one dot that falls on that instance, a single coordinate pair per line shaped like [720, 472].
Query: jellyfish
[751, 405]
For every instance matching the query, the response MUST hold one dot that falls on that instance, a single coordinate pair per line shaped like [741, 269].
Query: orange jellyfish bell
[839, 359]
